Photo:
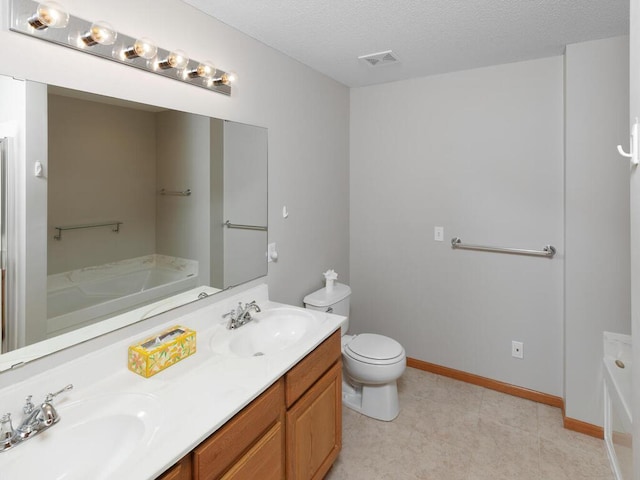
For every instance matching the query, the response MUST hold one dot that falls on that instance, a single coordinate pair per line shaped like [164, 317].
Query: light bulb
[100, 32]
[205, 70]
[177, 59]
[143, 47]
[229, 78]
[49, 14]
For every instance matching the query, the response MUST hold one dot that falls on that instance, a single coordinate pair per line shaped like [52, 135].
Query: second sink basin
[100, 438]
[270, 331]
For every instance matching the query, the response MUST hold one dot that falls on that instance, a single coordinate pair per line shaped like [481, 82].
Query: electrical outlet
[517, 349]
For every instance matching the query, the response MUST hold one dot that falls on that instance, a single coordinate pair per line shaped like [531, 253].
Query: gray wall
[597, 272]
[93, 179]
[480, 153]
[216, 201]
[245, 201]
[184, 158]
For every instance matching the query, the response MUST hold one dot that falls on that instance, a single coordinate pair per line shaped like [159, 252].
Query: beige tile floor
[450, 430]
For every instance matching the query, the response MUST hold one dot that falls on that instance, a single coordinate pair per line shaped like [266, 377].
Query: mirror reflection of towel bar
[116, 227]
[548, 251]
[183, 193]
[228, 224]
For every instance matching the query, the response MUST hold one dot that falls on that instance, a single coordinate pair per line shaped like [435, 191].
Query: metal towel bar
[548, 251]
[183, 193]
[228, 224]
[116, 227]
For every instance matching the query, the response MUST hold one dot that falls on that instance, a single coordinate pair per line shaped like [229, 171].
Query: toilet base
[375, 401]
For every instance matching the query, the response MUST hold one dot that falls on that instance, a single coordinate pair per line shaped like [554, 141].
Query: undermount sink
[270, 331]
[94, 438]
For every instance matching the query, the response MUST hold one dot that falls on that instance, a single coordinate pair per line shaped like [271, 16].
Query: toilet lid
[375, 347]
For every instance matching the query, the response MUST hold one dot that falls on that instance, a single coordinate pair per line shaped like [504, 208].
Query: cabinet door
[314, 428]
[180, 471]
[263, 460]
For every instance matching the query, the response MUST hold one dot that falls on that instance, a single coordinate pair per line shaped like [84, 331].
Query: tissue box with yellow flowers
[156, 353]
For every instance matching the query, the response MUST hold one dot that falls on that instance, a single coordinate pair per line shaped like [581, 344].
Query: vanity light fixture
[34, 19]
[100, 33]
[143, 48]
[49, 14]
[177, 59]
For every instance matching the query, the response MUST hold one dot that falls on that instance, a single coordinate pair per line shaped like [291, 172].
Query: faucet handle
[6, 429]
[232, 318]
[28, 405]
[51, 396]
[48, 414]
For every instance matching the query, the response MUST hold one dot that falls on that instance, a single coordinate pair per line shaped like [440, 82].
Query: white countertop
[190, 400]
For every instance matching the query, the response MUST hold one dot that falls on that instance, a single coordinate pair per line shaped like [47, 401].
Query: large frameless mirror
[145, 209]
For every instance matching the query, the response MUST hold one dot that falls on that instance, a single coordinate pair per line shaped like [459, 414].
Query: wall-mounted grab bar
[183, 193]
[548, 251]
[116, 227]
[228, 224]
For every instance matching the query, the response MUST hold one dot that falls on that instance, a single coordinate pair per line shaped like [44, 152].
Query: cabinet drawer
[265, 460]
[310, 369]
[180, 471]
[216, 454]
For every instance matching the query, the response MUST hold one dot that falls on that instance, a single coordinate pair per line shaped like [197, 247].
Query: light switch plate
[438, 234]
[272, 254]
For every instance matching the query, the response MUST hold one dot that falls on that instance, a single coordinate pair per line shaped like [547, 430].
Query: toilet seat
[374, 349]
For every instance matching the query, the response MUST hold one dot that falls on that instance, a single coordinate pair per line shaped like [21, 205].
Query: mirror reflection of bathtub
[31, 352]
[82, 297]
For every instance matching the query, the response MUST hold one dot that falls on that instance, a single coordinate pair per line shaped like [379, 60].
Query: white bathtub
[81, 297]
[617, 403]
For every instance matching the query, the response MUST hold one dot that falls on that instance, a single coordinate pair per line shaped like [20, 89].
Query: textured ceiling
[428, 36]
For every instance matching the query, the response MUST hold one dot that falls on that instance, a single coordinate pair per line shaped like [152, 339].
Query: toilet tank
[337, 301]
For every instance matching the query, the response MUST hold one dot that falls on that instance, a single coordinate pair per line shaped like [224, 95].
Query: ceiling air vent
[380, 58]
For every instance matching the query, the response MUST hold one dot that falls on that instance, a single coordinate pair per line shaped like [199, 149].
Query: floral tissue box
[156, 353]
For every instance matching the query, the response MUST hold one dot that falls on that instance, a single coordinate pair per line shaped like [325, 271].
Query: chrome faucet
[241, 315]
[34, 421]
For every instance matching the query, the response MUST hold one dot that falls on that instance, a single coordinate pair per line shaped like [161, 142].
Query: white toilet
[371, 363]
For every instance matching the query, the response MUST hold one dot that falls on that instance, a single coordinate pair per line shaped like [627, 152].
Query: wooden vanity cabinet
[180, 471]
[293, 430]
[314, 415]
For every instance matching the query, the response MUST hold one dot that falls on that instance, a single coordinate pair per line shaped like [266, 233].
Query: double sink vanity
[262, 400]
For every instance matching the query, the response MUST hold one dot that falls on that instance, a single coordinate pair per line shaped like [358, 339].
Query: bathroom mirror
[141, 205]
